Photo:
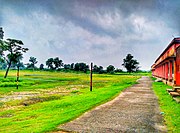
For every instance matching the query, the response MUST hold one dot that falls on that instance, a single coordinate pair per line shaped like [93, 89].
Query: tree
[49, 63]
[3, 64]
[32, 63]
[130, 64]
[72, 66]
[110, 69]
[14, 52]
[67, 66]
[98, 69]
[58, 63]
[54, 63]
[81, 67]
[1, 33]
[118, 70]
[41, 67]
[95, 68]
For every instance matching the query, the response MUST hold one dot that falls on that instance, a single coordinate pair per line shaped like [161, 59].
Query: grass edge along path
[46, 116]
[170, 109]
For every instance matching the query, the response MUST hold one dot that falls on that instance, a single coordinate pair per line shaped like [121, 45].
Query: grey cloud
[107, 29]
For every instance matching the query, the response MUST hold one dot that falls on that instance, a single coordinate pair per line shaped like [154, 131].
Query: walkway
[134, 110]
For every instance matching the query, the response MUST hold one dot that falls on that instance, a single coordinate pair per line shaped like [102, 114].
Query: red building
[167, 65]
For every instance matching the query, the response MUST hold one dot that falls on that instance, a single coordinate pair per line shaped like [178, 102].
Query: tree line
[12, 50]
[58, 65]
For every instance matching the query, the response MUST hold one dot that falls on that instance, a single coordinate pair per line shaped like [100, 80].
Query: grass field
[169, 107]
[46, 99]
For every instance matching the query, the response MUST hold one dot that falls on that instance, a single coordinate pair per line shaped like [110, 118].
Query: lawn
[169, 108]
[52, 98]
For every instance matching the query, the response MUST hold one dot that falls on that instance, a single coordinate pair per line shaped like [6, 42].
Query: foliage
[58, 63]
[32, 63]
[170, 107]
[67, 66]
[97, 69]
[81, 67]
[1, 33]
[54, 64]
[118, 70]
[41, 67]
[3, 64]
[130, 64]
[110, 69]
[63, 97]
[49, 63]
[14, 51]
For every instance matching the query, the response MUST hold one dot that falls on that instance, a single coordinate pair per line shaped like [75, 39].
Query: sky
[98, 31]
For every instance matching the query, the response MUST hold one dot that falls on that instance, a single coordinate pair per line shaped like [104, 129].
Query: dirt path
[134, 110]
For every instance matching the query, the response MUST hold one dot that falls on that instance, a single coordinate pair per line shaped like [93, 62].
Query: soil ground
[135, 110]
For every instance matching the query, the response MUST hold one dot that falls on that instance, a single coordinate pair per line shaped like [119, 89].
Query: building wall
[167, 66]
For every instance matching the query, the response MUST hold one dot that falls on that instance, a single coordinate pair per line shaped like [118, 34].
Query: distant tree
[1, 33]
[76, 67]
[72, 66]
[130, 64]
[118, 70]
[101, 70]
[57, 62]
[3, 64]
[14, 52]
[54, 63]
[32, 63]
[18, 64]
[95, 68]
[67, 66]
[81, 67]
[41, 67]
[49, 63]
[2, 49]
[98, 69]
[110, 69]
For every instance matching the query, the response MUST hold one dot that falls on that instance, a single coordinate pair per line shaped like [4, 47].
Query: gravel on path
[135, 110]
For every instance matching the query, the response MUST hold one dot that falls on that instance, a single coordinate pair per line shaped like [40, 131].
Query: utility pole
[17, 77]
[91, 76]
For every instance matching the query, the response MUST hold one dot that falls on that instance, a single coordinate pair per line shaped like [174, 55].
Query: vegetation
[110, 69]
[54, 64]
[53, 98]
[14, 51]
[130, 64]
[1, 33]
[170, 108]
[33, 61]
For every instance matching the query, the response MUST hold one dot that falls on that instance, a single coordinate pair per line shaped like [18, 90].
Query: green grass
[47, 110]
[170, 107]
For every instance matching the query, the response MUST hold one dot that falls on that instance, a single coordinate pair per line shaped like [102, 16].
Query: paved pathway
[134, 110]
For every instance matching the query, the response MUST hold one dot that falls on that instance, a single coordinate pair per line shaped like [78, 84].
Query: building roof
[175, 40]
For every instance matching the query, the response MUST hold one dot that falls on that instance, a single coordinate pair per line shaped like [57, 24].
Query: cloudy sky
[99, 31]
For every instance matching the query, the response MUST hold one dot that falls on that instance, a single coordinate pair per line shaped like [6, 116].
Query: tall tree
[130, 64]
[54, 63]
[58, 63]
[32, 63]
[14, 52]
[49, 63]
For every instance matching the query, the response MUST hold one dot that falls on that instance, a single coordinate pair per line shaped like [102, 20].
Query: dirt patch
[134, 110]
